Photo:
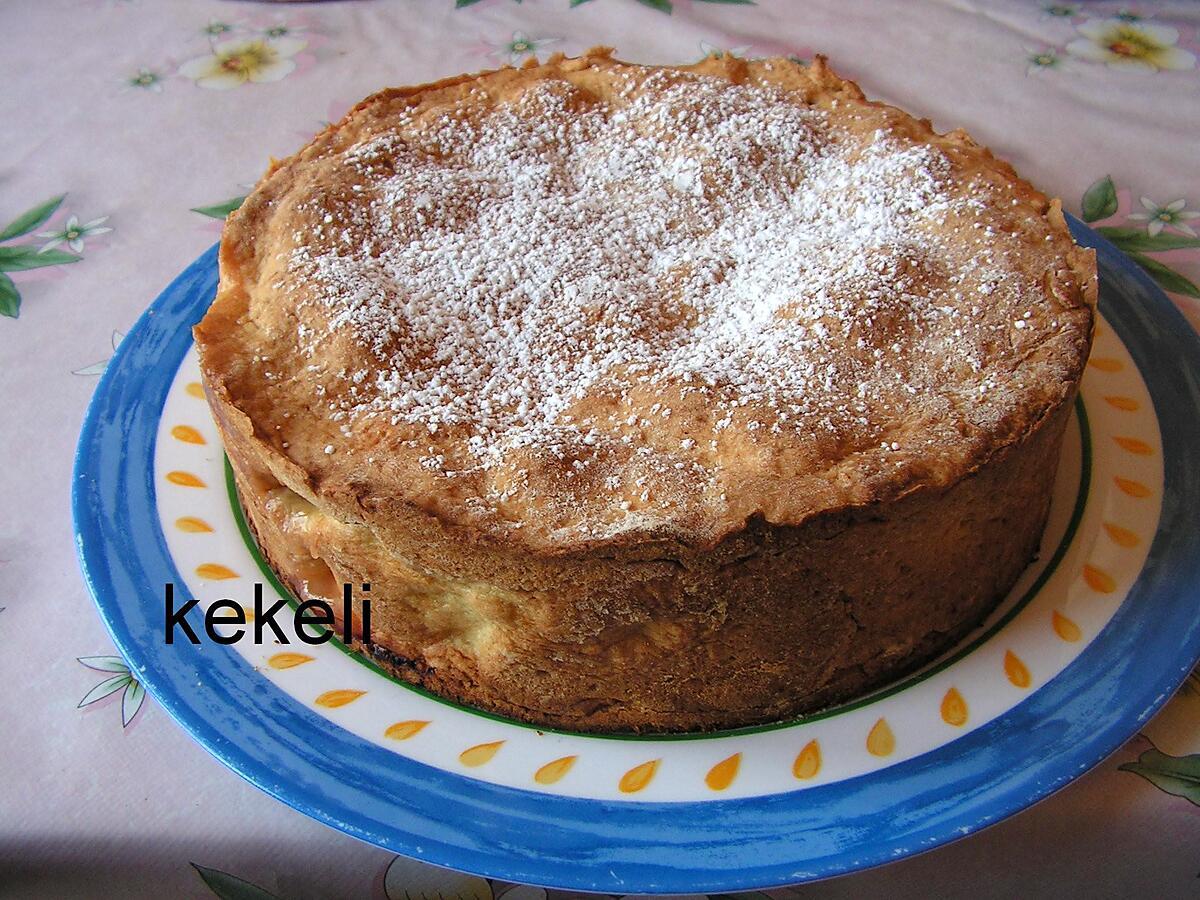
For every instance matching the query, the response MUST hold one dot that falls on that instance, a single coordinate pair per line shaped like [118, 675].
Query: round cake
[647, 398]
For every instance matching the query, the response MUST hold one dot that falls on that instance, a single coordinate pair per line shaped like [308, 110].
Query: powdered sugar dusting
[695, 238]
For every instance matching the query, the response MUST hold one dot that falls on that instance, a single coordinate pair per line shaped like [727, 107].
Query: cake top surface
[588, 303]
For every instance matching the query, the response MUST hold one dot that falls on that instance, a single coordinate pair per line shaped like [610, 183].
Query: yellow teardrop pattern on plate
[479, 754]
[185, 479]
[289, 660]
[192, 524]
[215, 572]
[638, 777]
[954, 708]
[334, 699]
[1016, 670]
[187, 434]
[195, 388]
[1131, 487]
[554, 770]
[1065, 628]
[880, 740]
[1106, 364]
[1125, 404]
[808, 761]
[1121, 536]
[1134, 445]
[1099, 580]
[721, 775]
[402, 731]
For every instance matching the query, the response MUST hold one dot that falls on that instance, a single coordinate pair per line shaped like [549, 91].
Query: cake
[647, 398]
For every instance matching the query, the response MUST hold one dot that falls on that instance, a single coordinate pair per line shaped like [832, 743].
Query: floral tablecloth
[131, 129]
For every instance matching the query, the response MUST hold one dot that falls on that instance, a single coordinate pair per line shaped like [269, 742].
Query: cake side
[773, 622]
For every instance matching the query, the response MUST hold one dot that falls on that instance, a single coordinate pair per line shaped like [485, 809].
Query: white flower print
[1172, 214]
[519, 46]
[73, 234]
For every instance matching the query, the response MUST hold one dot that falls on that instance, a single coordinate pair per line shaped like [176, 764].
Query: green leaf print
[104, 663]
[131, 701]
[230, 887]
[31, 218]
[19, 259]
[1168, 279]
[123, 680]
[1137, 240]
[1176, 775]
[10, 299]
[104, 688]
[221, 210]
[1100, 200]
[23, 257]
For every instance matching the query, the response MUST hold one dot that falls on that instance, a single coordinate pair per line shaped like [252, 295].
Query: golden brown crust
[379, 474]
[694, 570]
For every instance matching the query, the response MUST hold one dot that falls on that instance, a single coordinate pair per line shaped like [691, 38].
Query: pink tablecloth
[127, 109]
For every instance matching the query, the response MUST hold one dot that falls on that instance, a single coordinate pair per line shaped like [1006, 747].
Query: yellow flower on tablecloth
[237, 62]
[1127, 45]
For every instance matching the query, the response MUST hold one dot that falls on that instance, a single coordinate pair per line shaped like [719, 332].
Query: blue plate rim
[1062, 730]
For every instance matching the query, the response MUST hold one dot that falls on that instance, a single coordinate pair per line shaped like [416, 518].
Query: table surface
[125, 108]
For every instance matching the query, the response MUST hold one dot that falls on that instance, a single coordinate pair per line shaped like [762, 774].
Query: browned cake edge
[774, 622]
